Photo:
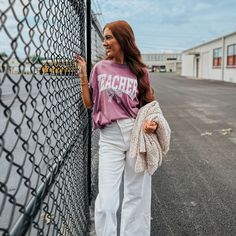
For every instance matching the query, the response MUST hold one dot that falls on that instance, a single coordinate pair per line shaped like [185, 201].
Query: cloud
[158, 24]
[117, 9]
[171, 24]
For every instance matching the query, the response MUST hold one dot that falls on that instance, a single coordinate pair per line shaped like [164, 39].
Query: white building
[215, 59]
[13, 66]
[170, 62]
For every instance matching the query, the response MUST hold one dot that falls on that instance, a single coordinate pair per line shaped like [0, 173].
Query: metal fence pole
[88, 15]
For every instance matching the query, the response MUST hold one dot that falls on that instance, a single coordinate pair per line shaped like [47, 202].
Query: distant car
[162, 69]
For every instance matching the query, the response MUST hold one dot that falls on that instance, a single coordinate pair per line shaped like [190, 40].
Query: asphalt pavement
[194, 191]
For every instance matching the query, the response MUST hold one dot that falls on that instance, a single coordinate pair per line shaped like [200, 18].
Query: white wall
[187, 65]
[206, 69]
[206, 55]
[157, 59]
[204, 65]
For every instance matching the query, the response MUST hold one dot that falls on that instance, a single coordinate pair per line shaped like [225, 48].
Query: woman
[118, 87]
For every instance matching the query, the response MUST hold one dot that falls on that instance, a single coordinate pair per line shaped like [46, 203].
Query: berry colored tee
[114, 90]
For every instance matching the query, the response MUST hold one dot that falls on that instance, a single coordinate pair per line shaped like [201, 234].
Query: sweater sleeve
[163, 133]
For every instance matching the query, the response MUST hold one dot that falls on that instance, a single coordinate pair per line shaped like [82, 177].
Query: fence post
[88, 19]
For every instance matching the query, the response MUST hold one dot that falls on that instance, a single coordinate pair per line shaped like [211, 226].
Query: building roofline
[211, 41]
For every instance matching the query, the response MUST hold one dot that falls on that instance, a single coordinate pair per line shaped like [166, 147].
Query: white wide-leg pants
[113, 160]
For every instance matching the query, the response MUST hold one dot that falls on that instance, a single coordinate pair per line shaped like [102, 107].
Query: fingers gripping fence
[44, 127]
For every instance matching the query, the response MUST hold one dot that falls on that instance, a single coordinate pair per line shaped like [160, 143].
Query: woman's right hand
[81, 64]
[150, 127]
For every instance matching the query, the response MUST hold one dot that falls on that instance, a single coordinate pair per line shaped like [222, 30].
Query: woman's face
[110, 43]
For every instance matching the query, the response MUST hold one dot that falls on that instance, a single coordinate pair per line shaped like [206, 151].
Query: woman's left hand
[150, 126]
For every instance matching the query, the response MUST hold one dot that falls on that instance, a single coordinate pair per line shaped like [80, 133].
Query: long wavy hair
[124, 34]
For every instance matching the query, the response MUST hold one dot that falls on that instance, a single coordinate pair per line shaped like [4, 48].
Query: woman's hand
[81, 64]
[84, 85]
[150, 126]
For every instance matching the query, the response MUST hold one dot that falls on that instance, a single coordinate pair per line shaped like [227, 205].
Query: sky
[159, 25]
[170, 25]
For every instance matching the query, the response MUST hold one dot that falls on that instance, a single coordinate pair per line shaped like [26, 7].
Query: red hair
[124, 34]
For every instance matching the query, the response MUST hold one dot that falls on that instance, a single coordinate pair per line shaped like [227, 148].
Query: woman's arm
[84, 85]
[85, 92]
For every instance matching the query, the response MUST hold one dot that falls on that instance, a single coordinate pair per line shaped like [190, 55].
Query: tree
[36, 59]
[3, 54]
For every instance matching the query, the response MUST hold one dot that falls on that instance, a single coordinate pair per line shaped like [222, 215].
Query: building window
[217, 57]
[231, 55]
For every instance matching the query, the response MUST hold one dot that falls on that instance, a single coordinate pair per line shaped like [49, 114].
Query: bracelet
[84, 83]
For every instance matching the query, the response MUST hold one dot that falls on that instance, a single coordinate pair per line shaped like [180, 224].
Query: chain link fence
[44, 127]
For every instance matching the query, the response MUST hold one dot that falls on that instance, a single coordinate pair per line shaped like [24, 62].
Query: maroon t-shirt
[114, 90]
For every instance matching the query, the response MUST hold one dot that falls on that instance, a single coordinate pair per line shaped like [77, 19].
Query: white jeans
[113, 160]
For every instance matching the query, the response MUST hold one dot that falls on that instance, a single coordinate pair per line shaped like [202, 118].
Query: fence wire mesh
[44, 127]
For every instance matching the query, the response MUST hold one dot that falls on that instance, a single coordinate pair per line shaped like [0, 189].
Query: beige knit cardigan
[149, 148]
